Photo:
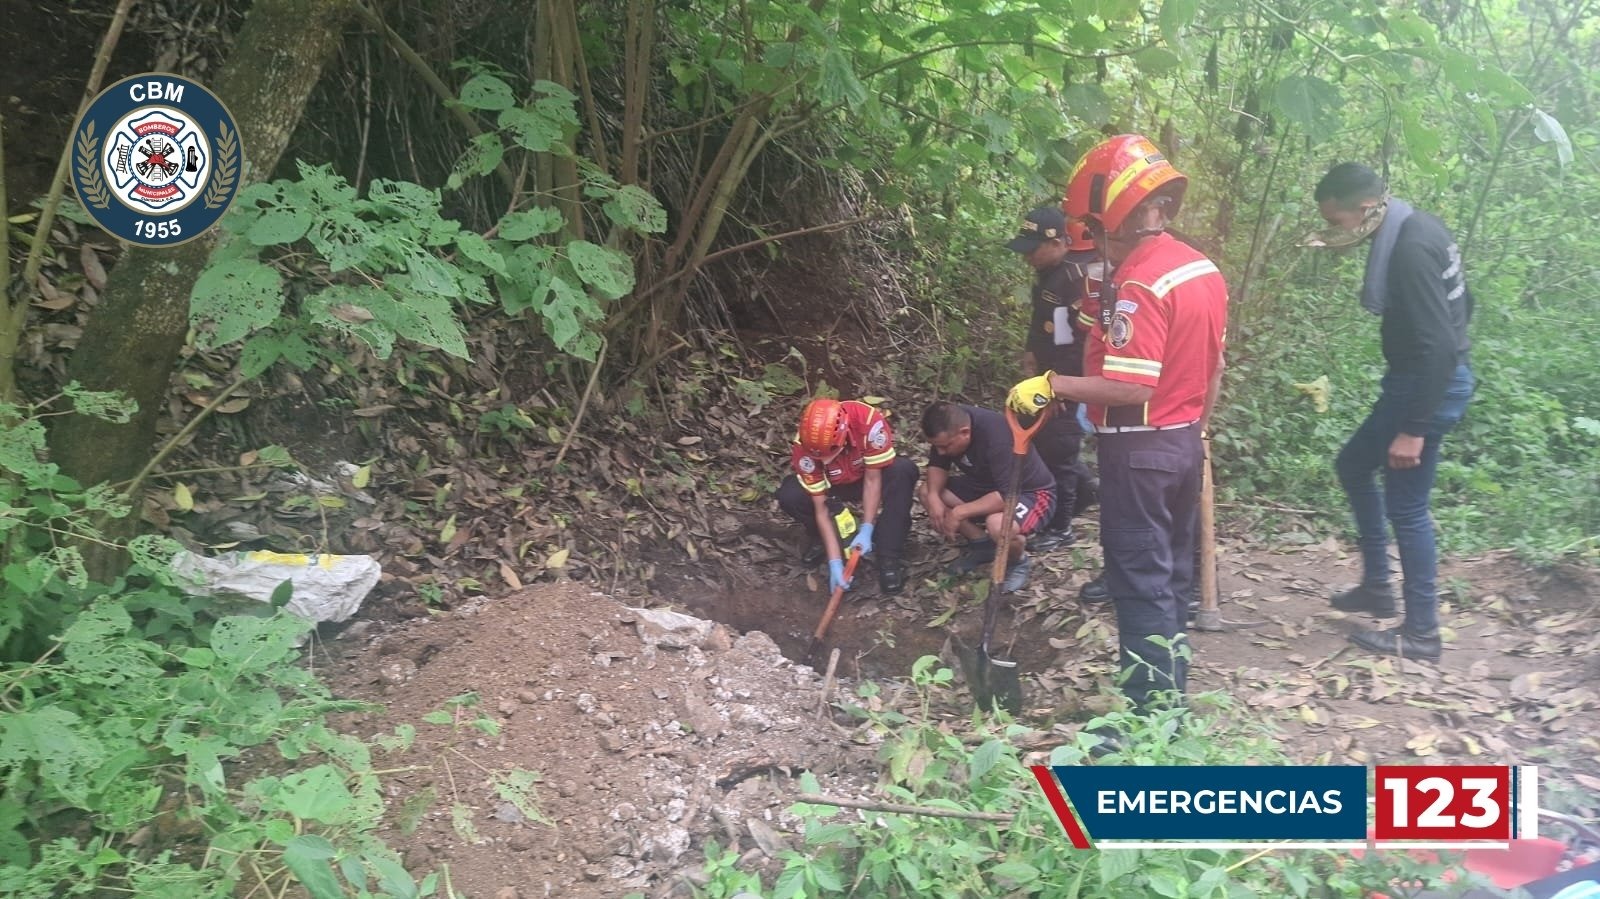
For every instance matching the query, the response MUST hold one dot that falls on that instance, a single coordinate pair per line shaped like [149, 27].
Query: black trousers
[1060, 444]
[894, 519]
[1149, 530]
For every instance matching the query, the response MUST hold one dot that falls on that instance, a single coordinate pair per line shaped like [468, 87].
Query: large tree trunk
[132, 341]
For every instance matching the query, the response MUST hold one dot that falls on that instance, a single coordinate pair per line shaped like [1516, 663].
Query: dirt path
[644, 752]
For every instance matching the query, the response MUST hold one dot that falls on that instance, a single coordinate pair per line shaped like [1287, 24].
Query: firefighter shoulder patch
[807, 465]
[156, 159]
[878, 436]
[1121, 330]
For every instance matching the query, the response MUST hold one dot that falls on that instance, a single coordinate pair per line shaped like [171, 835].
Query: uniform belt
[1124, 429]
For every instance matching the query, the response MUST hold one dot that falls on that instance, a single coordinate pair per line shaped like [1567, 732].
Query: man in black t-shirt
[970, 501]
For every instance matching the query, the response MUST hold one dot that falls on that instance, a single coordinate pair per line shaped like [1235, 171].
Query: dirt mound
[643, 742]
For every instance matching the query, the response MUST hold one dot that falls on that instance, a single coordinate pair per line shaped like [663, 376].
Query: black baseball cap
[1038, 226]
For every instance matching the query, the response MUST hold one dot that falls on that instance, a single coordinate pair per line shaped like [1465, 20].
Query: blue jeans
[1404, 497]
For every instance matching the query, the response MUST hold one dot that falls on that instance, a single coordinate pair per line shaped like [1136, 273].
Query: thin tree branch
[432, 80]
[1030, 45]
[583, 404]
[897, 808]
[178, 438]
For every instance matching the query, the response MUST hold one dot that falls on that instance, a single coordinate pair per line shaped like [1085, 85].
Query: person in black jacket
[1414, 281]
[1062, 256]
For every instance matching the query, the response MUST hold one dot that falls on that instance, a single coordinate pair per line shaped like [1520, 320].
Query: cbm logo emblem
[156, 159]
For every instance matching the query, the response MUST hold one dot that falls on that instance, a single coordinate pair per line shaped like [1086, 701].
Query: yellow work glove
[1031, 396]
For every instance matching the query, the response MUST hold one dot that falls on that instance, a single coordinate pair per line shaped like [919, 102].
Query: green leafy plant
[932, 764]
[461, 718]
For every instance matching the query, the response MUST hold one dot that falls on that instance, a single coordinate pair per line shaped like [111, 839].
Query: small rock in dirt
[661, 693]
[611, 741]
[702, 718]
[670, 630]
[760, 646]
[770, 841]
[567, 789]
[356, 631]
[719, 640]
[528, 696]
[749, 716]
[605, 720]
[397, 671]
[593, 873]
[508, 893]
[421, 653]
[509, 813]
[665, 845]
[419, 857]
[585, 702]
[508, 707]
[522, 841]
[624, 812]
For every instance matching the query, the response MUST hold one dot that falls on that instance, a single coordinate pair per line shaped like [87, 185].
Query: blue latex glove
[836, 575]
[863, 539]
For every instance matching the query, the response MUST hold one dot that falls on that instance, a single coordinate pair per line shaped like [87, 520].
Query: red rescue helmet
[822, 426]
[1118, 174]
[1078, 236]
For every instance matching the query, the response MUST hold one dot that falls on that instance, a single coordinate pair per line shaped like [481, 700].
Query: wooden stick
[898, 809]
[1208, 618]
[827, 681]
[583, 404]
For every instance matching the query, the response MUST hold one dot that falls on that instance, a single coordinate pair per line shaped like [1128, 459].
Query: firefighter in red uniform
[1152, 368]
[844, 451]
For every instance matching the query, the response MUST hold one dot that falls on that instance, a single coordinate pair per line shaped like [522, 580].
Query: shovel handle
[833, 604]
[1021, 436]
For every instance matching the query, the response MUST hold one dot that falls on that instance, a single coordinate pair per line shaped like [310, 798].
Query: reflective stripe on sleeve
[1129, 366]
[1187, 272]
[882, 458]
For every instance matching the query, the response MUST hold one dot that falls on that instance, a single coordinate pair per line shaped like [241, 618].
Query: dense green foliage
[125, 706]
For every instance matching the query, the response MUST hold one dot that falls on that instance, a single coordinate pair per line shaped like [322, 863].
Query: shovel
[833, 607]
[996, 683]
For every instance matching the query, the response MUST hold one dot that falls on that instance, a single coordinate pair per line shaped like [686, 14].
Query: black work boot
[1395, 641]
[1111, 741]
[1374, 599]
[975, 555]
[1095, 591]
[1052, 537]
[813, 554]
[891, 576]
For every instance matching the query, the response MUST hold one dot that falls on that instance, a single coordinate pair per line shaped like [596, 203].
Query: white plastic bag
[326, 587]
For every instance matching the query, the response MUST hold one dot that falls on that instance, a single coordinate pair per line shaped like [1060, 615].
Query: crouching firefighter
[844, 452]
